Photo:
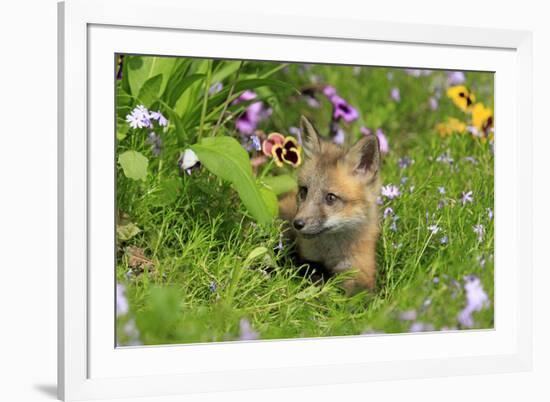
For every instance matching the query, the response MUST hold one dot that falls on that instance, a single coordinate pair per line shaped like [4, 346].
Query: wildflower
[440, 204]
[476, 300]
[121, 301]
[466, 197]
[415, 72]
[215, 88]
[404, 180]
[156, 143]
[329, 91]
[213, 287]
[409, 315]
[427, 303]
[405, 162]
[247, 333]
[411, 189]
[393, 225]
[395, 94]
[455, 77]
[445, 158]
[434, 229]
[162, 121]
[435, 280]
[479, 230]
[461, 97]
[441, 190]
[365, 130]
[252, 143]
[481, 261]
[388, 211]
[390, 191]
[379, 200]
[282, 149]
[341, 109]
[434, 104]
[421, 327]
[339, 137]
[189, 161]
[490, 213]
[139, 117]
[482, 118]
[248, 121]
[451, 126]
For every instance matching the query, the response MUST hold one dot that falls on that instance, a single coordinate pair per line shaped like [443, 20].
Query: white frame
[75, 339]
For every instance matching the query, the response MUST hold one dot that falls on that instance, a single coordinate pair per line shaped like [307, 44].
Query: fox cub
[333, 216]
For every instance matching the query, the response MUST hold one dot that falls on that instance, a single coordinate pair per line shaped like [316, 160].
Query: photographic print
[262, 200]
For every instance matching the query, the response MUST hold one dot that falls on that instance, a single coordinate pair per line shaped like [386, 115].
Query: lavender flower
[455, 77]
[421, 327]
[247, 333]
[379, 200]
[405, 162]
[435, 280]
[163, 122]
[434, 104]
[215, 88]
[383, 141]
[342, 110]
[156, 143]
[122, 307]
[445, 158]
[444, 240]
[434, 229]
[393, 225]
[441, 190]
[409, 315]
[490, 213]
[395, 94]
[139, 117]
[479, 230]
[466, 197]
[248, 121]
[388, 211]
[404, 180]
[213, 287]
[339, 137]
[390, 191]
[415, 72]
[476, 300]
[329, 91]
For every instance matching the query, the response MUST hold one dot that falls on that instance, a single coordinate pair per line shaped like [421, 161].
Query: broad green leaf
[167, 192]
[270, 200]
[226, 158]
[280, 184]
[134, 165]
[149, 92]
[141, 68]
[126, 232]
[177, 87]
[225, 70]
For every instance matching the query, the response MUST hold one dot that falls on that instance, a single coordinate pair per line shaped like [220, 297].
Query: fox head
[337, 187]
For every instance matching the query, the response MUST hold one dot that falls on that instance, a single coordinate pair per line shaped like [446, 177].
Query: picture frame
[89, 365]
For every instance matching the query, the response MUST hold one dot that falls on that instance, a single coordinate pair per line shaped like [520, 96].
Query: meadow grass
[205, 269]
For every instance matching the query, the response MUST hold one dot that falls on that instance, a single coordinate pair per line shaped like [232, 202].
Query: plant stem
[205, 98]
[229, 95]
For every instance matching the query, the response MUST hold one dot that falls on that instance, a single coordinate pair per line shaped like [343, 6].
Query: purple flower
[339, 137]
[247, 333]
[441, 190]
[122, 307]
[395, 94]
[490, 213]
[156, 143]
[479, 230]
[415, 72]
[434, 104]
[252, 143]
[215, 88]
[329, 91]
[445, 158]
[383, 140]
[312, 102]
[365, 130]
[248, 121]
[466, 197]
[405, 162]
[139, 117]
[476, 299]
[159, 117]
[390, 191]
[455, 77]
[342, 110]
[435, 280]
[421, 327]
[213, 286]
[409, 315]
[434, 229]
[393, 225]
[379, 200]
[388, 211]
[404, 180]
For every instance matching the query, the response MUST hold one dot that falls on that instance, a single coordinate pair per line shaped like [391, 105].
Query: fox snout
[308, 225]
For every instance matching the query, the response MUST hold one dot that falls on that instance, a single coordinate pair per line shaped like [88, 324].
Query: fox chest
[333, 254]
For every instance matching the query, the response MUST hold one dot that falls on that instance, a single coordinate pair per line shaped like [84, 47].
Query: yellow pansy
[482, 118]
[462, 97]
[451, 126]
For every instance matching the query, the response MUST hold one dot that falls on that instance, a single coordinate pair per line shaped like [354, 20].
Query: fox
[333, 216]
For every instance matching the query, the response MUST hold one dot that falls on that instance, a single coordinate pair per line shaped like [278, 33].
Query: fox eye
[331, 198]
[302, 192]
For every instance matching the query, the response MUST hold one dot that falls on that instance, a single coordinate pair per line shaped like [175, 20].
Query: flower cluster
[476, 300]
[141, 117]
[248, 121]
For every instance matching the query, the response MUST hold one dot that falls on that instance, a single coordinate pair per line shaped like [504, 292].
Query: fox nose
[299, 224]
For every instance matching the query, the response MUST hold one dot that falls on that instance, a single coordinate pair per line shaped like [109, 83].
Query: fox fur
[333, 217]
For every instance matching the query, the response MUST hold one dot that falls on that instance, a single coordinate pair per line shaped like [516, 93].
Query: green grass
[210, 265]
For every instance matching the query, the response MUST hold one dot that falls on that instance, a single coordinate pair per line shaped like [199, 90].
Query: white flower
[189, 160]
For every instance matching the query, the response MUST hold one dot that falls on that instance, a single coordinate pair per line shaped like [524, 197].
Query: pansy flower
[282, 149]
[461, 97]
[482, 118]
[451, 126]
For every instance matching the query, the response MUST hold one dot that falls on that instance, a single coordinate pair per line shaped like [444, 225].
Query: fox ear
[311, 142]
[364, 156]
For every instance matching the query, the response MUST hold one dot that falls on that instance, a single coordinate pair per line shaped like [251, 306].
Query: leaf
[126, 232]
[149, 92]
[270, 200]
[177, 87]
[226, 158]
[280, 184]
[167, 193]
[141, 68]
[254, 254]
[134, 165]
